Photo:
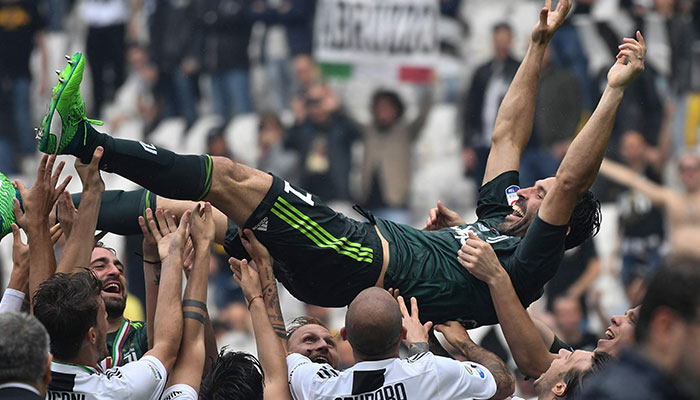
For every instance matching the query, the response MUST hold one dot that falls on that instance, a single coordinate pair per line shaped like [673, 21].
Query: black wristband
[194, 303]
[194, 315]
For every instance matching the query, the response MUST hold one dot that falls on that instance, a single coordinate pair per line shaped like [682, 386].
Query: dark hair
[675, 285]
[502, 25]
[392, 97]
[233, 375]
[298, 322]
[267, 117]
[584, 221]
[101, 245]
[575, 378]
[67, 305]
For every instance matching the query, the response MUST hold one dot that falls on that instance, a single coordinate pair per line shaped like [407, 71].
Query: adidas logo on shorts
[261, 226]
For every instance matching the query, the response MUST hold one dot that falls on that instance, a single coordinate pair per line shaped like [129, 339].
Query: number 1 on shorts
[306, 198]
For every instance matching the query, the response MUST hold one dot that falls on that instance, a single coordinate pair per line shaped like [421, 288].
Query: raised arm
[270, 350]
[581, 163]
[264, 262]
[151, 273]
[529, 350]
[81, 241]
[458, 337]
[190, 361]
[625, 176]
[167, 329]
[38, 202]
[513, 126]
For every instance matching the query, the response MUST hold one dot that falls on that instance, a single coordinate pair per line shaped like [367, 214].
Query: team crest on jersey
[512, 194]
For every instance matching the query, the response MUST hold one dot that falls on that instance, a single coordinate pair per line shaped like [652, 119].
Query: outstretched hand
[442, 217]
[167, 233]
[454, 332]
[415, 331]
[39, 200]
[480, 260]
[550, 21]
[629, 63]
[247, 278]
[257, 250]
[90, 173]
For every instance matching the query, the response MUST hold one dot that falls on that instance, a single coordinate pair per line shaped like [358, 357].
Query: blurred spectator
[272, 156]
[226, 28]
[451, 30]
[488, 87]
[175, 48]
[641, 222]
[106, 45]
[388, 145]
[665, 363]
[568, 317]
[25, 360]
[575, 276]
[323, 135]
[21, 29]
[216, 143]
[135, 98]
[680, 207]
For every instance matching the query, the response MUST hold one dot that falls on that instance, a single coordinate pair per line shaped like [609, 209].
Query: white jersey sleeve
[146, 377]
[464, 379]
[179, 391]
[300, 374]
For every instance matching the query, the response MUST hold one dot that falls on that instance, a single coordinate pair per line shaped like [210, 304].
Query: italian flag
[378, 72]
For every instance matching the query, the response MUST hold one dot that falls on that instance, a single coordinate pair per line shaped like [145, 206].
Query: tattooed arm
[271, 349]
[458, 337]
[264, 262]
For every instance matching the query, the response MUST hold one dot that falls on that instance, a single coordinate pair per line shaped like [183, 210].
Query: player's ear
[92, 335]
[559, 389]
[47, 370]
[343, 333]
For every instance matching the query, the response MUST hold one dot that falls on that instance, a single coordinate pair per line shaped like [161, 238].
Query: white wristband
[12, 300]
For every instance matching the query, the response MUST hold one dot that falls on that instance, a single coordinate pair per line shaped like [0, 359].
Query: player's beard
[517, 228]
[114, 307]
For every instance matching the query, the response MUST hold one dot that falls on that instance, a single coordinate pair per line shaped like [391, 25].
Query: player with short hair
[71, 308]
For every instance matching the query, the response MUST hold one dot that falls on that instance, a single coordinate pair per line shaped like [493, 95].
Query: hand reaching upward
[550, 21]
[630, 62]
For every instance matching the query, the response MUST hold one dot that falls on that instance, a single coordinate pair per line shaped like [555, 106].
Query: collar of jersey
[373, 364]
[59, 366]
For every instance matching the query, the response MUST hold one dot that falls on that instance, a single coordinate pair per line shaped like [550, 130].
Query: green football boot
[66, 99]
[7, 213]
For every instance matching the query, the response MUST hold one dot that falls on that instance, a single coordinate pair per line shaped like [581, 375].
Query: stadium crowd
[510, 292]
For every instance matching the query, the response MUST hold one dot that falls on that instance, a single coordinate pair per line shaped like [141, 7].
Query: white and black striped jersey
[179, 391]
[139, 380]
[420, 377]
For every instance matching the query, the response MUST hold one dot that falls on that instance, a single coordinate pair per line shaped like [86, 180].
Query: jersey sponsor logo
[262, 225]
[64, 396]
[512, 194]
[396, 391]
